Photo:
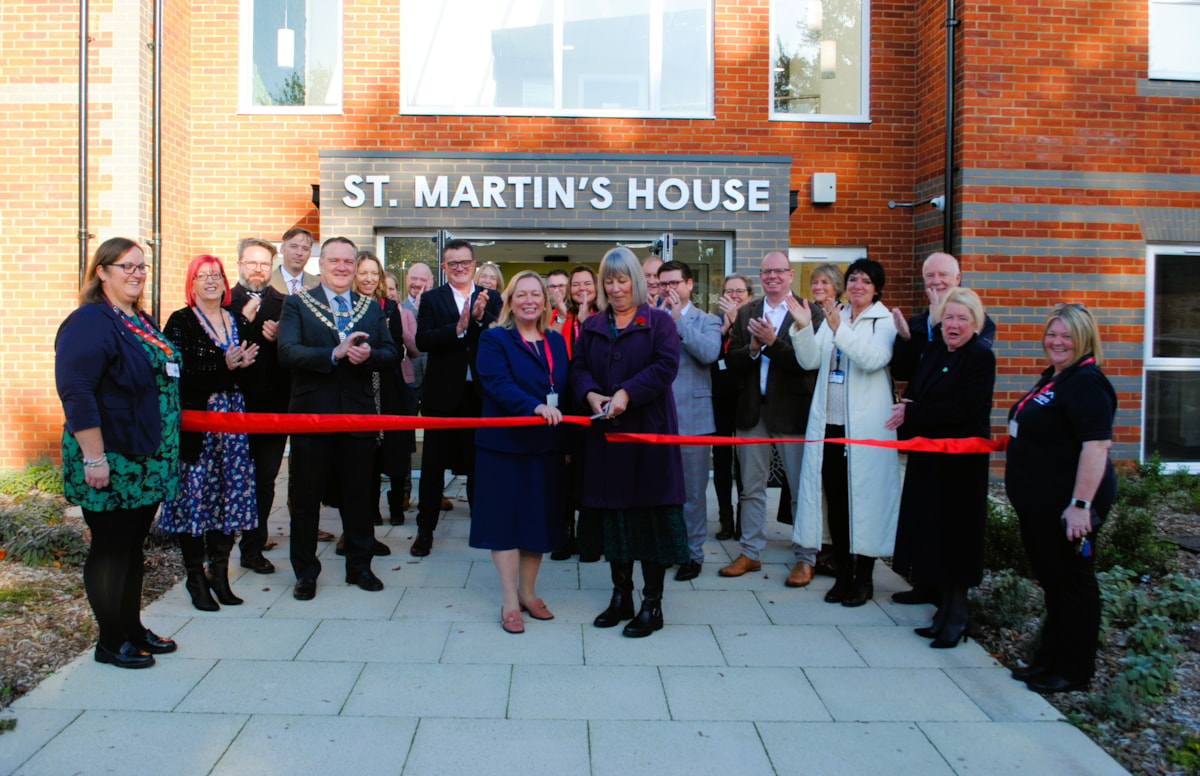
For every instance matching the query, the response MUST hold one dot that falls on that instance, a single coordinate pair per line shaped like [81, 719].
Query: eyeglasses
[774, 271]
[458, 264]
[671, 283]
[737, 291]
[129, 267]
[256, 264]
[210, 275]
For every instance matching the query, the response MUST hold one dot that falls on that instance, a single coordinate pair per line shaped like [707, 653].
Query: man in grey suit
[700, 344]
[289, 277]
[773, 401]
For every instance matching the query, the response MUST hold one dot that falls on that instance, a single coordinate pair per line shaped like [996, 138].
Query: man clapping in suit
[449, 322]
[700, 344]
[333, 339]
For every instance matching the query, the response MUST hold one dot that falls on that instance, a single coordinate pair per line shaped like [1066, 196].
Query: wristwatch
[1082, 504]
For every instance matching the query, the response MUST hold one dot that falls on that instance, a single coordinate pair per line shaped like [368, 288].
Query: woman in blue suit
[522, 367]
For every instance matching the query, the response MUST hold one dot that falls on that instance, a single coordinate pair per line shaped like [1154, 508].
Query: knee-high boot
[219, 545]
[621, 606]
[864, 585]
[650, 618]
[192, 549]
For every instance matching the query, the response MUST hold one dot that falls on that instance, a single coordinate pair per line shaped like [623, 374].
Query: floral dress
[134, 480]
[217, 478]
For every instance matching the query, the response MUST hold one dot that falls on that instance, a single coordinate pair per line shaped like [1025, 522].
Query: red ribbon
[298, 423]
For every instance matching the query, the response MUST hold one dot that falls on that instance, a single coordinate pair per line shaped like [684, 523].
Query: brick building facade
[1075, 175]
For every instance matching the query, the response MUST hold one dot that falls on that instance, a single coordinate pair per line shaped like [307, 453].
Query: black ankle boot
[864, 586]
[620, 608]
[650, 618]
[726, 518]
[843, 584]
[197, 587]
[567, 548]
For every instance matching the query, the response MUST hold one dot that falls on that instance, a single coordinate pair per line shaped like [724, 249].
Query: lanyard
[549, 357]
[1035, 393]
[231, 334]
[143, 329]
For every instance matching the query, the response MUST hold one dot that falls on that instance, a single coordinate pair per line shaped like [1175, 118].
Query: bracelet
[92, 464]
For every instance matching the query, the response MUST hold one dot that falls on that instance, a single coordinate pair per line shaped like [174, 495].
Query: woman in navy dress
[521, 366]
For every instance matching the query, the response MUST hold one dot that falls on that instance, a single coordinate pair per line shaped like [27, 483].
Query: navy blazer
[306, 346]
[514, 382]
[105, 379]
[449, 355]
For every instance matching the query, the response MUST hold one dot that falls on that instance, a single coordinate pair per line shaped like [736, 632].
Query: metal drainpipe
[156, 225]
[82, 232]
[948, 212]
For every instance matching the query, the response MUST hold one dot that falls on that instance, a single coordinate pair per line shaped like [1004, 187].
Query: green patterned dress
[134, 480]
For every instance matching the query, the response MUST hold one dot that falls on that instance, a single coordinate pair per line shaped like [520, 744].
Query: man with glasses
[773, 401]
[296, 249]
[450, 319]
[556, 286]
[265, 385]
[699, 346]
[333, 339]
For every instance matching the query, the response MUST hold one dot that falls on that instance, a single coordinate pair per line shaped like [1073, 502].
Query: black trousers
[446, 449]
[1072, 627]
[267, 452]
[835, 481]
[319, 461]
[114, 569]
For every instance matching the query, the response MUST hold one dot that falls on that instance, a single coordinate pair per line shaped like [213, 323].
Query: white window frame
[1152, 363]
[246, 68]
[1167, 74]
[654, 87]
[865, 86]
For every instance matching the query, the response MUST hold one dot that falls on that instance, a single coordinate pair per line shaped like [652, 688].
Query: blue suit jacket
[514, 383]
[700, 344]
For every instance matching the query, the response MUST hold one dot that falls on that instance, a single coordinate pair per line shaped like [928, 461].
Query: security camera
[939, 203]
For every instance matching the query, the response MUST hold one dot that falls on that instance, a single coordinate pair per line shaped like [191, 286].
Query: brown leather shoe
[447, 504]
[802, 574]
[740, 566]
[406, 502]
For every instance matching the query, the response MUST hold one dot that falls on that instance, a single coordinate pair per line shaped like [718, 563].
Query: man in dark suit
[265, 385]
[449, 322]
[333, 339]
[773, 401]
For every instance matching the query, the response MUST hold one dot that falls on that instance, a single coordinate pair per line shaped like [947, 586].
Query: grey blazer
[700, 345]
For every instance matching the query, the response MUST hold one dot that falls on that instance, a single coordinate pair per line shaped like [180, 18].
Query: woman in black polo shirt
[1062, 484]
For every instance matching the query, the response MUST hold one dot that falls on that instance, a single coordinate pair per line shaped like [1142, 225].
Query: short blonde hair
[506, 316]
[488, 266]
[622, 262]
[1081, 324]
[834, 275]
[968, 299]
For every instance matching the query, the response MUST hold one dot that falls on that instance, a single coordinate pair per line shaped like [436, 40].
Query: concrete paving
[747, 677]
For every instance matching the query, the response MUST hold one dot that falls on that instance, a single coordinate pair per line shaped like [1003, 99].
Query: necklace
[225, 338]
[326, 314]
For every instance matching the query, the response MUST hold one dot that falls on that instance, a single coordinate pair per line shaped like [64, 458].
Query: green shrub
[41, 476]
[1153, 634]
[1008, 603]
[1119, 703]
[1186, 755]
[1151, 676]
[1002, 547]
[1128, 540]
[32, 531]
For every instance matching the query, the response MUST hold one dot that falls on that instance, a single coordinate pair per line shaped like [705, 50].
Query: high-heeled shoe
[942, 642]
[537, 609]
[928, 632]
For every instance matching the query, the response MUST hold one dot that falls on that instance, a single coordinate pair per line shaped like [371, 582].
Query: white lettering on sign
[552, 192]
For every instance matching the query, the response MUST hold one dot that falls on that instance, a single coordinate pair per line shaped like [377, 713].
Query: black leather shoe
[377, 549]
[918, 595]
[1029, 672]
[128, 656]
[258, 564]
[1048, 684]
[688, 571]
[397, 518]
[305, 590]
[367, 581]
[155, 644]
[422, 544]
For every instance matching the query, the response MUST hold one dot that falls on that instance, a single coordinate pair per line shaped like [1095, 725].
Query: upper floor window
[1172, 356]
[291, 56]
[557, 57]
[819, 59]
[1174, 54]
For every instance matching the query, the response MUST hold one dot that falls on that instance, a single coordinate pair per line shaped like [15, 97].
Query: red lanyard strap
[549, 357]
[1033, 394]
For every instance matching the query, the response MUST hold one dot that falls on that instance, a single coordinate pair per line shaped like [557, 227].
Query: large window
[819, 59]
[1174, 25]
[557, 57]
[291, 56]
[1172, 362]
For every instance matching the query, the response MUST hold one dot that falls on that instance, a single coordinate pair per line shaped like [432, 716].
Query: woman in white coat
[852, 399]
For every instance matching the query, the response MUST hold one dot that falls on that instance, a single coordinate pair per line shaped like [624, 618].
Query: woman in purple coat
[625, 361]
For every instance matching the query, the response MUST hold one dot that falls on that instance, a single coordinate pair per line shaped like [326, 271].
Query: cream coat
[874, 471]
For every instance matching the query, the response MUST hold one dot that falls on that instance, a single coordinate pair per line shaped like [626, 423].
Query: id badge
[172, 369]
[1012, 429]
[837, 377]
[552, 400]
[721, 365]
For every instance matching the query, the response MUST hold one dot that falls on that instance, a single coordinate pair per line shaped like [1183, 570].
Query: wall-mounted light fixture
[285, 43]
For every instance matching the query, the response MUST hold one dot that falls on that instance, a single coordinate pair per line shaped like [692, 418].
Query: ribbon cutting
[311, 423]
